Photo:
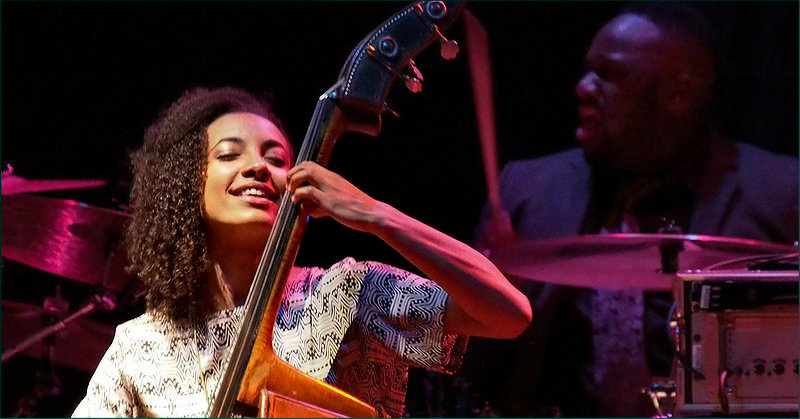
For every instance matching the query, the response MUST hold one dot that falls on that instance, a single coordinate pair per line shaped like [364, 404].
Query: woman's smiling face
[248, 157]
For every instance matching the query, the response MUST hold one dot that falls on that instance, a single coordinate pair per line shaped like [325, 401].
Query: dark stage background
[81, 81]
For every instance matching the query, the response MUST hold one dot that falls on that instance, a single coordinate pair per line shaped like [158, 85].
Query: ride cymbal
[15, 185]
[621, 261]
[65, 238]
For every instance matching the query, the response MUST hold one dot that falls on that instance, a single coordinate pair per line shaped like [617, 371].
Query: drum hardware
[69, 239]
[648, 262]
[47, 385]
[737, 340]
[14, 185]
[106, 302]
[622, 261]
[725, 390]
[676, 326]
[56, 306]
[54, 312]
[65, 238]
[79, 345]
[670, 250]
[779, 262]
[662, 395]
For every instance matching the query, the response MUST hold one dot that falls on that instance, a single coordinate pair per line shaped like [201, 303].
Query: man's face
[623, 121]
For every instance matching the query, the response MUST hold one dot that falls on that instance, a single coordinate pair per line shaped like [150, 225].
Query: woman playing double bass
[205, 186]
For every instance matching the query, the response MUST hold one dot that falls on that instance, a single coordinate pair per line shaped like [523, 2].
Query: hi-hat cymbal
[80, 345]
[65, 238]
[14, 185]
[621, 261]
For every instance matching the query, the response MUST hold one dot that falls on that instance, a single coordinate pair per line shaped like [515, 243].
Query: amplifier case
[736, 337]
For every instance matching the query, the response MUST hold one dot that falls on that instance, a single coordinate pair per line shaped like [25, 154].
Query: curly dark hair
[165, 240]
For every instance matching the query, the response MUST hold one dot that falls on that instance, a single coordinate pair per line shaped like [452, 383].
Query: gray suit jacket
[757, 198]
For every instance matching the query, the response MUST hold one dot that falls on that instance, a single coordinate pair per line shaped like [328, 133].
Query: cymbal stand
[669, 251]
[662, 395]
[105, 301]
[47, 383]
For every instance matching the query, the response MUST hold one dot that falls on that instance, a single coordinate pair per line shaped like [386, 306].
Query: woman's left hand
[324, 193]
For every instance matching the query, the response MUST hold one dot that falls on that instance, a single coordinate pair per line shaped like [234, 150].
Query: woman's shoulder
[144, 320]
[350, 269]
[348, 275]
[149, 326]
[144, 326]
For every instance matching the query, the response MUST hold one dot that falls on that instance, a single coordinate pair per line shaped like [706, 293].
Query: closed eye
[276, 161]
[228, 156]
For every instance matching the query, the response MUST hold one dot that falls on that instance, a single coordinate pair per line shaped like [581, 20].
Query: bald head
[673, 54]
[686, 37]
[645, 96]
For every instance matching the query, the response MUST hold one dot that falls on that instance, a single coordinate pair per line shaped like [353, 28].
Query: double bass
[255, 377]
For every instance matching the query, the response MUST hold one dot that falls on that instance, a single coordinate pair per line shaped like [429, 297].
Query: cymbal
[13, 185]
[65, 238]
[80, 345]
[620, 261]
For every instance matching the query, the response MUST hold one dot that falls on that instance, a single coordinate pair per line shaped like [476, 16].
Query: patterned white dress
[357, 325]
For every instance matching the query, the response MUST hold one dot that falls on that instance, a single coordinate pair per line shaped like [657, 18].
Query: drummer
[651, 160]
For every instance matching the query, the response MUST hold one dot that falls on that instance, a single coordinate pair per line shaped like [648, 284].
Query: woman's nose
[257, 168]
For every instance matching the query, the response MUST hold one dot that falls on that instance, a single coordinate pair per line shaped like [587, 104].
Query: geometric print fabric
[356, 325]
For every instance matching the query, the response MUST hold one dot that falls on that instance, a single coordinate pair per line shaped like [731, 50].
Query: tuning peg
[413, 84]
[448, 48]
